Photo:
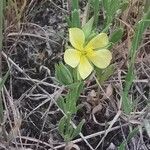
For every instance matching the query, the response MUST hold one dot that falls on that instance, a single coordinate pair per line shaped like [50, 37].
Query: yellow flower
[84, 55]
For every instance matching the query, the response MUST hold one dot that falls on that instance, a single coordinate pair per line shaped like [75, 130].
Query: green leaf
[69, 133]
[62, 104]
[63, 74]
[106, 4]
[65, 128]
[127, 103]
[75, 18]
[71, 103]
[117, 35]
[75, 4]
[68, 103]
[76, 89]
[66, 74]
[87, 28]
[61, 126]
[72, 97]
[78, 129]
[103, 75]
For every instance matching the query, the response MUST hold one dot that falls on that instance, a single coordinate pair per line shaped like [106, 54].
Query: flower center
[83, 52]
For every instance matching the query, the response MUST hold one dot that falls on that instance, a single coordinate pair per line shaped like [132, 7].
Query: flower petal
[84, 68]
[77, 38]
[100, 58]
[72, 57]
[100, 41]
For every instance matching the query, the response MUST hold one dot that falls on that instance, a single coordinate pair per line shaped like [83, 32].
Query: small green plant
[88, 53]
[68, 103]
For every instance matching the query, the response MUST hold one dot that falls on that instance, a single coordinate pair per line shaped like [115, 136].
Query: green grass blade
[141, 26]
[130, 136]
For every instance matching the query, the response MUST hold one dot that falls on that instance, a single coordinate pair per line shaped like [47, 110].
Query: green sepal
[87, 28]
[62, 104]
